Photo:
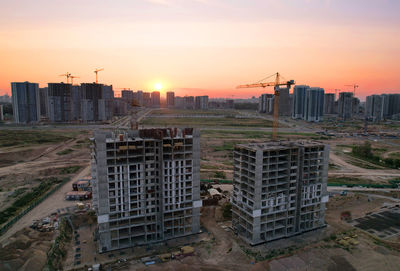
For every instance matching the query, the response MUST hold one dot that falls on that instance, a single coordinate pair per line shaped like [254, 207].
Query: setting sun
[158, 86]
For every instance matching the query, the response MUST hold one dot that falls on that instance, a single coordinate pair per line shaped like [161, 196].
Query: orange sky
[202, 47]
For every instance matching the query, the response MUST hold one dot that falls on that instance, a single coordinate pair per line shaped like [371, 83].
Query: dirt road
[48, 206]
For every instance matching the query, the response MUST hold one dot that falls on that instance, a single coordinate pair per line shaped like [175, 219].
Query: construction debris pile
[46, 224]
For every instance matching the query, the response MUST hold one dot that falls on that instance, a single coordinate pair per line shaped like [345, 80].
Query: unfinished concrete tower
[146, 186]
[279, 189]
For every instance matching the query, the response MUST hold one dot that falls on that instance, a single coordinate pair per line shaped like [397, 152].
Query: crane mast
[96, 71]
[276, 84]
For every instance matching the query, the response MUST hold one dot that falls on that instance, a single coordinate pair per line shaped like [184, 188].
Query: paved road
[360, 189]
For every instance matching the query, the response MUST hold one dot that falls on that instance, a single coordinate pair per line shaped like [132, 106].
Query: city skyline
[203, 47]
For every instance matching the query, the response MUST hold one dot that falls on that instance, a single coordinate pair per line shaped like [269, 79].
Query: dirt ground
[26, 251]
[22, 168]
[313, 250]
[48, 206]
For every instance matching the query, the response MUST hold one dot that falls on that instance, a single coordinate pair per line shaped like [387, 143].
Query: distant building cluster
[385, 106]
[60, 102]
[312, 103]
[91, 102]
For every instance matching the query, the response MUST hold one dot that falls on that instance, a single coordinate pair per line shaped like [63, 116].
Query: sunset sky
[202, 46]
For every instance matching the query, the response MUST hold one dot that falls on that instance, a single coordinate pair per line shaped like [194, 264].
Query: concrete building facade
[59, 102]
[26, 102]
[155, 99]
[170, 99]
[391, 105]
[127, 95]
[266, 103]
[299, 101]
[345, 105]
[146, 186]
[91, 93]
[188, 102]
[280, 189]
[147, 99]
[374, 107]
[43, 98]
[329, 104]
[76, 102]
[201, 102]
[284, 102]
[314, 105]
[179, 102]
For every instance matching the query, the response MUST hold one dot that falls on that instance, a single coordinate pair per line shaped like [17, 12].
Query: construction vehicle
[96, 71]
[276, 84]
[354, 86]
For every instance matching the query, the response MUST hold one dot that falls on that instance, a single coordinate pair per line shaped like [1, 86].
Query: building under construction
[146, 186]
[279, 189]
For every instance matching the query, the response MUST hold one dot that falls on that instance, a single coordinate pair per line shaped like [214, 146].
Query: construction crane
[72, 78]
[96, 71]
[68, 75]
[336, 91]
[354, 86]
[276, 86]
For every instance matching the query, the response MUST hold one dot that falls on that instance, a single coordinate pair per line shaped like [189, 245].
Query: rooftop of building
[152, 133]
[279, 145]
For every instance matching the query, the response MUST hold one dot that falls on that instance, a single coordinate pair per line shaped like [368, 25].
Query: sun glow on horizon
[158, 86]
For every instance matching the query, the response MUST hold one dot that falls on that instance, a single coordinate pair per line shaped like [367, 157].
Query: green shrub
[220, 175]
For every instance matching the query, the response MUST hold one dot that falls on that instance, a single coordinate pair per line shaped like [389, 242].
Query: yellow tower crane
[72, 78]
[354, 86]
[96, 71]
[68, 75]
[276, 86]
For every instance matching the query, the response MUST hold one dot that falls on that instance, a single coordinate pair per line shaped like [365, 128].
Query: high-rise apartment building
[314, 106]
[355, 106]
[26, 102]
[284, 102]
[146, 186]
[147, 99]
[155, 99]
[127, 95]
[374, 107]
[91, 93]
[170, 99]
[59, 102]
[188, 102]
[345, 105]
[43, 98]
[329, 103]
[279, 189]
[179, 102]
[391, 105]
[201, 102]
[266, 103]
[308, 103]
[299, 101]
[76, 102]
[106, 103]
[139, 97]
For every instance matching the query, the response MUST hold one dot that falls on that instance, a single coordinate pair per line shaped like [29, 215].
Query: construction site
[218, 197]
